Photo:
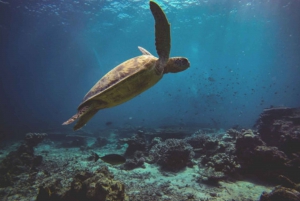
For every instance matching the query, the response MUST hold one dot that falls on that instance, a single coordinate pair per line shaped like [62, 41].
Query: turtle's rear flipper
[84, 119]
[84, 115]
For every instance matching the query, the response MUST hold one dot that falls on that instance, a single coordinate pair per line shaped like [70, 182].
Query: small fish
[211, 79]
[113, 159]
[108, 123]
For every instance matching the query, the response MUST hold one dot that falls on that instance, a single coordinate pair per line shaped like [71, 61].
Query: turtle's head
[176, 64]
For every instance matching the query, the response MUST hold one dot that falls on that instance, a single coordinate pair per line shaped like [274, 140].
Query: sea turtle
[133, 76]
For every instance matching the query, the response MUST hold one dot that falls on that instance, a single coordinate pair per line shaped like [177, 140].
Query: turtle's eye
[183, 62]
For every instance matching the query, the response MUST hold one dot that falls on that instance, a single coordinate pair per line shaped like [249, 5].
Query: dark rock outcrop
[253, 154]
[267, 162]
[280, 127]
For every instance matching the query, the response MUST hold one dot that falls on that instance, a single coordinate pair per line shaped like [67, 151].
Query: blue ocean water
[244, 57]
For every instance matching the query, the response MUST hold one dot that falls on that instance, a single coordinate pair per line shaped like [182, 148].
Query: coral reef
[172, 154]
[85, 186]
[154, 158]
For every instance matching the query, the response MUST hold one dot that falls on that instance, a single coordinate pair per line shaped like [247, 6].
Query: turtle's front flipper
[162, 34]
[84, 114]
[144, 51]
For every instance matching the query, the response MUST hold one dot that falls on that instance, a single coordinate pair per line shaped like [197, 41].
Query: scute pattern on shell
[119, 73]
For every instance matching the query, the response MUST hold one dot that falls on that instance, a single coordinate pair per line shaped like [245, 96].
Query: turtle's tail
[84, 115]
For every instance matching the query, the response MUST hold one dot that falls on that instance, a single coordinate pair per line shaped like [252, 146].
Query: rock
[286, 182]
[172, 154]
[135, 143]
[281, 193]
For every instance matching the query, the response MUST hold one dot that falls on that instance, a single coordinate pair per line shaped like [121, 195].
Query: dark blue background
[244, 57]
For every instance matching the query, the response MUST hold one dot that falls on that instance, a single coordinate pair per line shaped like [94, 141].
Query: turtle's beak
[184, 63]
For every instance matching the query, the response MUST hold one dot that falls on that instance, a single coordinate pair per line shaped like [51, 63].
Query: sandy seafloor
[148, 183]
